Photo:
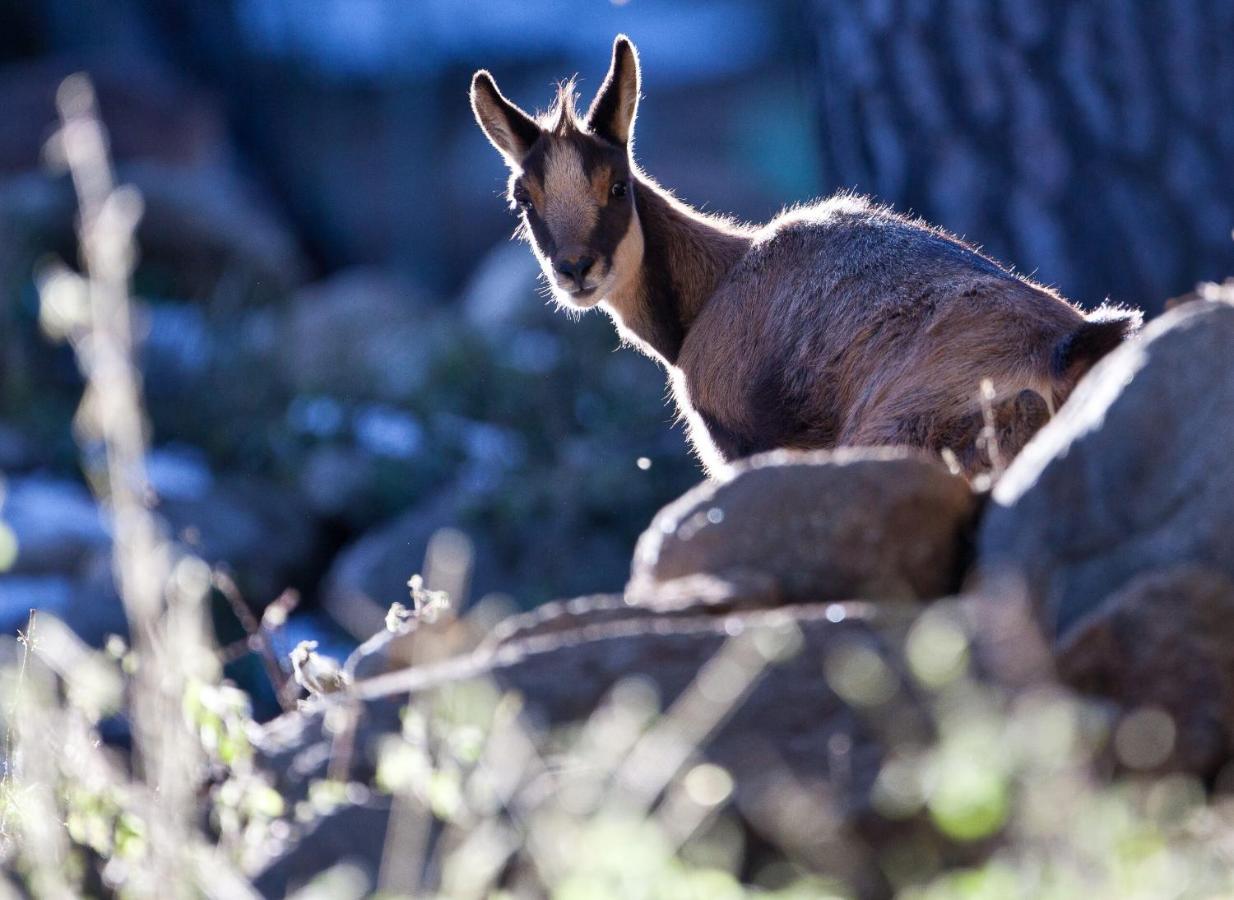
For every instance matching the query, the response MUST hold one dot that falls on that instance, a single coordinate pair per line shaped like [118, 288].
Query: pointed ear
[507, 127]
[612, 112]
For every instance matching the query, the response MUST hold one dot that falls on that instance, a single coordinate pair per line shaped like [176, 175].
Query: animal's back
[847, 323]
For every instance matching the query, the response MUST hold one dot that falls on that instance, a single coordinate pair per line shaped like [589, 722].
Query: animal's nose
[575, 269]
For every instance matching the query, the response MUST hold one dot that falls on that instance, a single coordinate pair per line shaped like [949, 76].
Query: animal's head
[571, 179]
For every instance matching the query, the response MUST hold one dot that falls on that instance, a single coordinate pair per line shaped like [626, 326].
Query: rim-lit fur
[836, 323]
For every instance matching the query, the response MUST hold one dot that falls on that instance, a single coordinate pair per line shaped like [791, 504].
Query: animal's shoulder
[849, 235]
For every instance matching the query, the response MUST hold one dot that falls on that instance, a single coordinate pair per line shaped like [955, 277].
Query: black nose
[575, 269]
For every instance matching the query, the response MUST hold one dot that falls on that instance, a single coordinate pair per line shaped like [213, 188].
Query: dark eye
[618, 189]
[521, 197]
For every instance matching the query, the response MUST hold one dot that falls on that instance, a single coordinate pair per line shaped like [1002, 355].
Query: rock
[179, 472]
[89, 605]
[1135, 473]
[255, 527]
[1164, 640]
[208, 225]
[150, 113]
[201, 229]
[203, 222]
[356, 335]
[17, 449]
[56, 523]
[793, 527]
[353, 837]
[176, 350]
[355, 486]
[788, 733]
[336, 480]
[499, 298]
[21, 593]
[822, 749]
[384, 431]
[371, 573]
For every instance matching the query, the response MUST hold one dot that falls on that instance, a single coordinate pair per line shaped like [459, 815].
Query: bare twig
[26, 639]
[258, 639]
[989, 431]
[400, 621]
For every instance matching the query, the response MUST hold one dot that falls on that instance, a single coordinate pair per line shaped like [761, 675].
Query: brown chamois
[840, 323]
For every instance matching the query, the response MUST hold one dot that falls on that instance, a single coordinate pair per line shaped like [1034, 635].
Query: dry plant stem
[45, 841]
[108, 218]
[27, 641]
[989, 431]
[373, 645]
[343, 745]
[258, 640]
[421, 678]
[338, 768]
[237, 650]
[165, 636]
[402, 857]
[418, 679]
[707, 702]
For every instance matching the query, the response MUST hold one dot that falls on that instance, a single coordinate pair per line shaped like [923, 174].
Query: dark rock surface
[356, 335]
[371, 573]
[780, 726]
[255, 527]
[793, 527]
[352, 835]
[57, 527]
[1134, 474]
[1164, 640]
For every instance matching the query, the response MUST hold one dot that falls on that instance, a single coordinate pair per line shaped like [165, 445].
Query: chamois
[839, 323]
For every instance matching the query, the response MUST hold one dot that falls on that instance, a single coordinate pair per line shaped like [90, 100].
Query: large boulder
[356, 334]
[1134, 475]
[816, 697]
[203, 220]
[1164, 641]
[56, 524]
[151, 112]
[372, 571]
[850, 731]
[204, 232]
[89, 604]
[794, 527]
[255, 527]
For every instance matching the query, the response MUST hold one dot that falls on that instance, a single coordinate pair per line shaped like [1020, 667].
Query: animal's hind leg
[1014, 421]
[982, 441]
[887, 430]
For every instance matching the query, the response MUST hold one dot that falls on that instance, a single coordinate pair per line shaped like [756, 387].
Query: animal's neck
[685, 255]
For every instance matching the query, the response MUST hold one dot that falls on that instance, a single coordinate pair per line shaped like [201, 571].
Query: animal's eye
[618, 189]
[521, 197]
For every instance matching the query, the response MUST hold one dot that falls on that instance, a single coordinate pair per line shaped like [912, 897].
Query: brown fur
[836, 323]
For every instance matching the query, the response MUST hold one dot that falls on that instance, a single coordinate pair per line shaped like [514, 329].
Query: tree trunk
[1090, 144]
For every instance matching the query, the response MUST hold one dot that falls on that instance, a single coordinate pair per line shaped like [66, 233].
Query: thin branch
[26, 639]
[258, 637]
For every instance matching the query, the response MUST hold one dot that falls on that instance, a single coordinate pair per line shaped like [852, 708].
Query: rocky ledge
[805, 613]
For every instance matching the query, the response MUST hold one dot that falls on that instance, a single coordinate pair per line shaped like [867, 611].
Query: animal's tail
[1103, 330]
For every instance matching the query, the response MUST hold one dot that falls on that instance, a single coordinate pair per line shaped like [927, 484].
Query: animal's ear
[507, 127]
[612, 112]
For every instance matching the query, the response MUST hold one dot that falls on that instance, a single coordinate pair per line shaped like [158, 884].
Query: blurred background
[348, 364]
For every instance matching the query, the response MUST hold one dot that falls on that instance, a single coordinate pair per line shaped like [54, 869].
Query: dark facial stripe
[599, 161]
[540, 234]
[611, 226]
